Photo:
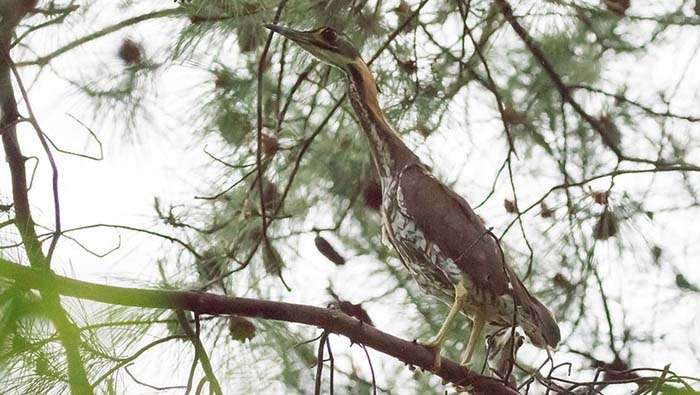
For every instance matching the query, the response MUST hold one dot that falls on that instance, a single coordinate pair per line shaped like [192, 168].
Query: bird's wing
[448, 221]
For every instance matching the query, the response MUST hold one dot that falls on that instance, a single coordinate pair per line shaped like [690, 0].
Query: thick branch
[410, 353]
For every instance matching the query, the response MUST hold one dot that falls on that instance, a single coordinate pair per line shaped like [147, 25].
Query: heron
[437, 235]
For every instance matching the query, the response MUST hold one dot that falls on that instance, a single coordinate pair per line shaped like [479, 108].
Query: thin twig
[54, 169]
[190, 376]
[127, 360]
[172, 239]
[331, 371]
[262, 64]
[319, 363]
[171, 387]
[371, 370]
[200, 352]
[564, 90]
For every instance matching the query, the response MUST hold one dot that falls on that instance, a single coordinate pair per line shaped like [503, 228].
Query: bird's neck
[389, 153]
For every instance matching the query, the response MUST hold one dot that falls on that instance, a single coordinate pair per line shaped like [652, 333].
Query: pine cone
[130, 52]
[545, 211]
[270, 145]
[617, 7]
[510, 206]
[325, 248]
[240, 328]
[606, 227]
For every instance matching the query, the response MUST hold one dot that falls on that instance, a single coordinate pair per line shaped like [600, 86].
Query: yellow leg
[439, 339]
[474, 336]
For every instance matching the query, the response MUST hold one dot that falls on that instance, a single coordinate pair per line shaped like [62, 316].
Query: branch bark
[409, 352]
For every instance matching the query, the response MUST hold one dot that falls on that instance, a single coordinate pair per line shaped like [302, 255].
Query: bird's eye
[329, 35]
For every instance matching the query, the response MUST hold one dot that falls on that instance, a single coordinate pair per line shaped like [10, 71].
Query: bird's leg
[436, 342]
[477, 326]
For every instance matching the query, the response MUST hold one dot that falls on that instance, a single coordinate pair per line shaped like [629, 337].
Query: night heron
[435, 232]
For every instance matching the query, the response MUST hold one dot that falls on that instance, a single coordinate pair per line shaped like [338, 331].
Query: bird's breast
[435, 273]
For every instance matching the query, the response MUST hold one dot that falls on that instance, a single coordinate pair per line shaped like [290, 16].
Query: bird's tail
[535, 318]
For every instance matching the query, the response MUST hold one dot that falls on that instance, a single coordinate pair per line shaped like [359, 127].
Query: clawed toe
[433, 344]
[466, 360]
[437, 362]
[465, 365]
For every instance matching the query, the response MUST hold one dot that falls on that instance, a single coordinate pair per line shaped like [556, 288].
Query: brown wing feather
[546, 323]
[447, 220]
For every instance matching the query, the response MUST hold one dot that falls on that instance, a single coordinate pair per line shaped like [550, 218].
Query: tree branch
[564, 90]
[409, 352]
[12, 13]
[262, 61]
[43, 60]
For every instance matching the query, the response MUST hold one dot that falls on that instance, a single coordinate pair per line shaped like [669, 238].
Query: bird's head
[325, 44]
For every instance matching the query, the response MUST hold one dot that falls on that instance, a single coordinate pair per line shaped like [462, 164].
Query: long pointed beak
[294, 35]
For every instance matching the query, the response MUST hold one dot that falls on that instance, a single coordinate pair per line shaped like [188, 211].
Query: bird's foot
[434, 347]
[474, 336]
[465, 363]
[466, 360]
[433, 343]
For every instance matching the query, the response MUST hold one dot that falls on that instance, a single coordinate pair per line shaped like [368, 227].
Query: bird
[438, 237]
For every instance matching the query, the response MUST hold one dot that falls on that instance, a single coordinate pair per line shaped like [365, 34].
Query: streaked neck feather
[389, 153]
